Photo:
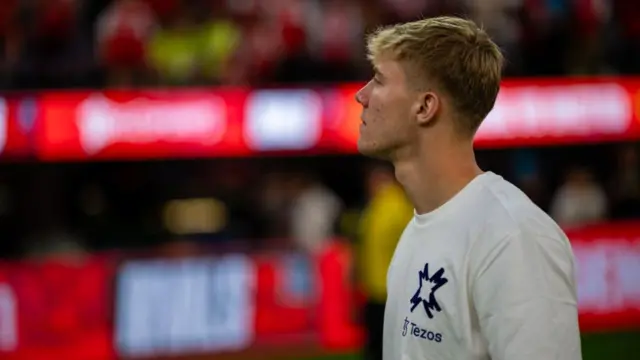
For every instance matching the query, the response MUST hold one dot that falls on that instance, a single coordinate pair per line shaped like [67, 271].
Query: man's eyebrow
[377, 71]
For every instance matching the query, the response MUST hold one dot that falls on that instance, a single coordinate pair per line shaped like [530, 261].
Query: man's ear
[427, 106]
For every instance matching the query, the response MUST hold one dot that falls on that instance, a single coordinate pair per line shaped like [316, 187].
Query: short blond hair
[455, 53]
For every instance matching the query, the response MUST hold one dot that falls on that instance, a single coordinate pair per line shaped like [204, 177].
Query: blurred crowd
[257, 204]
[128, 43]
[82, 43]
[270, 204]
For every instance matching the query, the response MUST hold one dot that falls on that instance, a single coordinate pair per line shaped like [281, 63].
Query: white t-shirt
[488, 275]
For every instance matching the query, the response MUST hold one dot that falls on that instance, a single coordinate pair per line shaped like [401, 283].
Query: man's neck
[431, 178]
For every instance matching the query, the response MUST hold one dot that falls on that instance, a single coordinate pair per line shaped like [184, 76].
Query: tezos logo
[426, 293]
[417, 331]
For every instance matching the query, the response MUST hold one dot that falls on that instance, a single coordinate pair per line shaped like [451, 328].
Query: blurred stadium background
[179, 178]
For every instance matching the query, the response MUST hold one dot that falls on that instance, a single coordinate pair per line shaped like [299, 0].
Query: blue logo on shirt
[413, 329]
[426, 293]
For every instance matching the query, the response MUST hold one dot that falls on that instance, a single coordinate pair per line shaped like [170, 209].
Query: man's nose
[360, 97]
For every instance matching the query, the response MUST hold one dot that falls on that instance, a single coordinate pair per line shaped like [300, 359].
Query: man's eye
[377, 81]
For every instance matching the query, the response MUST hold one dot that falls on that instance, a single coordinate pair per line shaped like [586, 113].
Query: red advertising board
[300, 300]
[56, 311]
[563, 111]
[17, 118]
[236, 302]
[542, 112]
[608, 275]
[285, 311]
[174, 307]
[123, 124]
[139, 125]
[179, 123]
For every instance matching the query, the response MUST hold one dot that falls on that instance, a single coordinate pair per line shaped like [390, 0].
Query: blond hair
[452, 52]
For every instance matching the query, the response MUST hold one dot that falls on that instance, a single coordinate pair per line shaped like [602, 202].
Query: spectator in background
[273, 206]
[334, 35]
[580, 200]
[626, 184]
[122, 31]
[499, 18]
[546, 35]
[172, 51]
[262, 46]
[591, 18]
[382, 223]
[195, 45]
[314, 213]
[54, 51]
[407, 10]
[626, 55]
[49, 225]
[528, 177]
[55, 244]
[9, 40]
[220, 37]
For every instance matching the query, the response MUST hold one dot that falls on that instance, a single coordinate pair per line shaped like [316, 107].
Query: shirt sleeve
[525, 298]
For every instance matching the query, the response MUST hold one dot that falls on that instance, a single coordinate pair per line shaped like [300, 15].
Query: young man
[480, 272]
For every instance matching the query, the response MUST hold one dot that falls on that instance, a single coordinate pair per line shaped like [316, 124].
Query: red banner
[55, 311]
[286, 311]
[567, 111]
[301, 299]
[123, 124]
[544, 112]
[180, 123]
[17, 118]
[140, 125]
[236, 302]
[608, 275]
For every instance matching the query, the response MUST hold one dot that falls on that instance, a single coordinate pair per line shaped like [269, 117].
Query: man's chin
[372, 151]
